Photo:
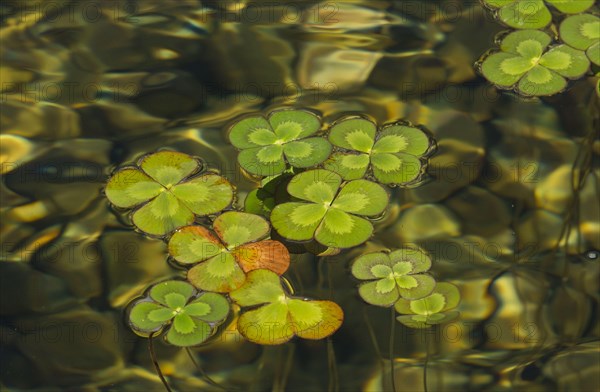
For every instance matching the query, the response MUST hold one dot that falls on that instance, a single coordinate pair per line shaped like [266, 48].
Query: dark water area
[508, 209]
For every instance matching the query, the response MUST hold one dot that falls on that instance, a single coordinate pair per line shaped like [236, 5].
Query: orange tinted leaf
[268, 254]
[332, 317]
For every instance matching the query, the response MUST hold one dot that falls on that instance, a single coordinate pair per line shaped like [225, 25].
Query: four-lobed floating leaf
[190, 316]
[330, 213]
[394, 275]
[286, 136]
[166, 193]
[583, 32]
[223, 256]
[270, 316]
[526, 64]
[392, 155]
[436, 308]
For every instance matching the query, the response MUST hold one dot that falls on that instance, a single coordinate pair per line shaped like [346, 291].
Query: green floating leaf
[280, 317]
[593, 53]
[329, 214]
[238, 228]
[580, 31]
[190, 323]
[168, 167]
[432, 309]
[353, 133]
[525, 14]
[162, 215]
[525, 65]
[571, 6]
[140, 320]
[220, 274]
[392, 276]
[160, 291]
[566, 61]
[267, 145]
[129, 187]
[165, 196]
[392, 155]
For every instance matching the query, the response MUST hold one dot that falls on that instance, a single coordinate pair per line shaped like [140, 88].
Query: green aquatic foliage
[436, 308]
[533, 14]
[271, 316]
[329, 211]
[394, 275]
[223, 256]
[391, 155]
[527, 64]
[286, 137]
[583, 32]
[166, 191]
[190, 317]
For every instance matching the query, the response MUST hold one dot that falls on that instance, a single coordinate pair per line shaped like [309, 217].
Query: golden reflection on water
[91, 85]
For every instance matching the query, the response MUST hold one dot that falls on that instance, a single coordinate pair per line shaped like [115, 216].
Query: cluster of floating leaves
[399, 278]
[318, 190]
[530, 61]
[166, 192]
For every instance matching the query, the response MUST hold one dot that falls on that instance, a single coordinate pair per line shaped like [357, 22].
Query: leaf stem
[391, 347]
[155, 362]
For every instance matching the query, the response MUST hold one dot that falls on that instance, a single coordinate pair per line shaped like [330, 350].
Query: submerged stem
[205, 376]
[155, 362]
[334, 385]
[391, 348]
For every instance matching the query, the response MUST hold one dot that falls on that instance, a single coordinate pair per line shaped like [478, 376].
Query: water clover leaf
[328, 211]
[166, 193]
[287, 135]
[583, 32]
[393, 275]
[521, 14]
[392, 155]
[526, 64]
[191, 317]
[430, 310]
[235, 246]
[570, 6]
[270, 316]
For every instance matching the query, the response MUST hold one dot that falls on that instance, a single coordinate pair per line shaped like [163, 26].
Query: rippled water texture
[508, 210]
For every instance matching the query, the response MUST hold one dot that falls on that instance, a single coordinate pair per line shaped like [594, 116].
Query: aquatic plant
[235, 246]
[533, 14]
[272, 316]
[167, 192]
[311, 209]
[582, 32]
[527, 64]
[436, 308]
[189, 317]
[329, 211]
[392, 155]
[285, 137]
[390, 276]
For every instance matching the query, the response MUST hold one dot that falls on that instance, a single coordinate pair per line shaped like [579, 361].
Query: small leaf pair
[224, 256]
[392, 155]
[394, 275]
[430, 310]
[268, 145]
[271, 316]
[328, 211]
[583, 32]
[191, 317]
[533, 14]
[164, 193]
[526, 64]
